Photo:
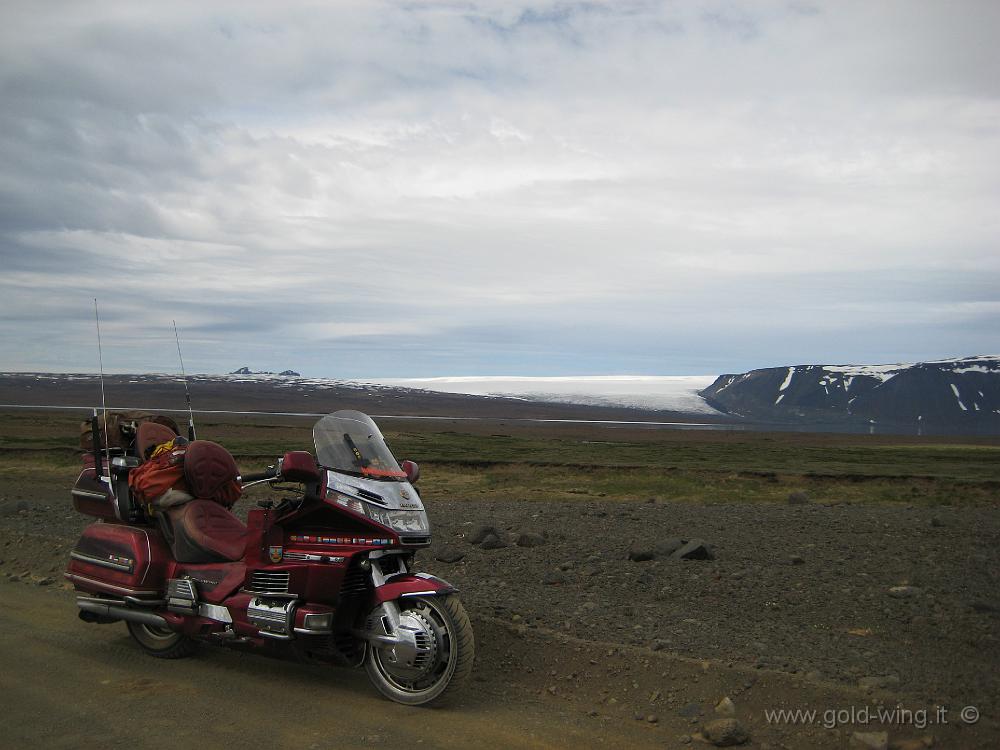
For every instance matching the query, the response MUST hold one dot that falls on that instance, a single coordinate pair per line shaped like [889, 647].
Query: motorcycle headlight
[403, 521]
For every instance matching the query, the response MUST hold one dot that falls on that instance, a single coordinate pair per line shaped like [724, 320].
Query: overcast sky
[365, 189]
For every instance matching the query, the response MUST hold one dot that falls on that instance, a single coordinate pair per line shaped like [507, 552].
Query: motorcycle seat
[201, 531]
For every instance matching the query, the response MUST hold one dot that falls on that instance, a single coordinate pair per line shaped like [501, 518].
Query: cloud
[408, 189]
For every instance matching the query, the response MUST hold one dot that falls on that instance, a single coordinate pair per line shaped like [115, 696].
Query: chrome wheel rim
[441, 662]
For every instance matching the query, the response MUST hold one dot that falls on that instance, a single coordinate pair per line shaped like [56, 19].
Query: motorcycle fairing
[399, 495]
[214, 582]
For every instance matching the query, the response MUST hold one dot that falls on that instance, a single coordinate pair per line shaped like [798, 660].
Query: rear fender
[406, 585]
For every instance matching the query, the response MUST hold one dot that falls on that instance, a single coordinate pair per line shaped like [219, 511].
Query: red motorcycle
[325, 572]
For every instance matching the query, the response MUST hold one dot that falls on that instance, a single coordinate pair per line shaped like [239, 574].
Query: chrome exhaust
[121, 613]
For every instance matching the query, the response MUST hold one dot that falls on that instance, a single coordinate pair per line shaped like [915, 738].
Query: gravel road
[579, 646]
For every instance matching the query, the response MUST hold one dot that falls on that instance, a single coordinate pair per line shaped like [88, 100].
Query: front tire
[161, 642]
[454, 652]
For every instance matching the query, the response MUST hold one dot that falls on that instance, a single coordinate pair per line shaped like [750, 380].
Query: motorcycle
[324, 572]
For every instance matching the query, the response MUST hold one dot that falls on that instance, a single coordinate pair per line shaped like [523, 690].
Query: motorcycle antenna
[187, 393]
[98, 469]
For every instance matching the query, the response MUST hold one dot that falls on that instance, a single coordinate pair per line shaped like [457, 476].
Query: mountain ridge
[961, 393]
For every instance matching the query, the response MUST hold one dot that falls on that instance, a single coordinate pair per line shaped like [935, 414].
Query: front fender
[411, 584]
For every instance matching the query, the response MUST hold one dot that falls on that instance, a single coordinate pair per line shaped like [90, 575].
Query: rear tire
[453, 663]
[161, 642]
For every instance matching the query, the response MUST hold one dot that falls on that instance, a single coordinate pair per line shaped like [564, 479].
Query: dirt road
[69, 685]
[66, 684]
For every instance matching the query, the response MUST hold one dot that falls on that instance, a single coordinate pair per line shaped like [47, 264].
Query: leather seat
[202, 531]
[211, 472]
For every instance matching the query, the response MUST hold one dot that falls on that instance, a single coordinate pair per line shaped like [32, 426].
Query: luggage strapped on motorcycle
[159, 483]
[122, 426]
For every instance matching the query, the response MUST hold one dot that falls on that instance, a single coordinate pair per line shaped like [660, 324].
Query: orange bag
[164, 471]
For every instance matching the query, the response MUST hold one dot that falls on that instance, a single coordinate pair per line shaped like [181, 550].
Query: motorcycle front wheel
[446, 661]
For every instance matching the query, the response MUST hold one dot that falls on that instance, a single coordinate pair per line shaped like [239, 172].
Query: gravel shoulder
[804, 606]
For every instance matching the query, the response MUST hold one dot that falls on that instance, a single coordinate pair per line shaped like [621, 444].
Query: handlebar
[269, 473]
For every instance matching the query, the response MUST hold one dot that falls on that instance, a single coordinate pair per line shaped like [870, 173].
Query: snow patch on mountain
[951, 393]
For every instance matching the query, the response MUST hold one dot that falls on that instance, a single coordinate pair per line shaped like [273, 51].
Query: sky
[402, 189]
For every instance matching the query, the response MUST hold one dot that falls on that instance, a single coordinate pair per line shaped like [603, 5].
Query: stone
[920, 743]
[725, 707]
[869, 740]
[45, 581]
[646, 579]
[667, 547]
[640, 554]
[903, 592]
[725, 733]
[696, 549]
[796, 560]
[530, 539]
[553, 579]
[492, 541]
[481, 533]
[449, 555]
[690, 710]
[798, 498]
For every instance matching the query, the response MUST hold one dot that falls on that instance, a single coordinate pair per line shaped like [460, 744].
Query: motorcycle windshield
[350, 442]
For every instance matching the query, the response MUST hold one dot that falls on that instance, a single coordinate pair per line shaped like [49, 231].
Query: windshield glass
[349, 441]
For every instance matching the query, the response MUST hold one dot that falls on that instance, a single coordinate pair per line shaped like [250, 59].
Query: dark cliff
[956, 395]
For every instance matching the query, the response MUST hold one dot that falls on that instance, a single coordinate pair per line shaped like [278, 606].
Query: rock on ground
[492, 541]
[725, 733]
[449, 555]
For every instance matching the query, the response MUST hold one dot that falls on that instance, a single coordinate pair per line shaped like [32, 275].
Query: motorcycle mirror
[412, 471]
[299, 466]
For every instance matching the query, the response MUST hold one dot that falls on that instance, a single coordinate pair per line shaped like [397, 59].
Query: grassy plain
[501, 461]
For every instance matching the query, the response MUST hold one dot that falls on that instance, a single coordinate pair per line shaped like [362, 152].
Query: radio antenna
[104, 409]
[187, 393]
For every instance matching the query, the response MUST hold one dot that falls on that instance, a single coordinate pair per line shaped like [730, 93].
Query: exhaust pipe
[121, 613]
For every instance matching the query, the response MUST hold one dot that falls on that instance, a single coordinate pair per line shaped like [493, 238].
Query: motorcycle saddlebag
[92, 497]
[120, 560]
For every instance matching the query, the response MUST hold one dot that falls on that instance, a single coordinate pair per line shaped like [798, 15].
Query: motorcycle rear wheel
[456, 650]
[161, 642]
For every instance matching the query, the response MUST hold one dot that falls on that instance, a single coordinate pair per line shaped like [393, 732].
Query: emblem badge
[404, 493]
[275, 554]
